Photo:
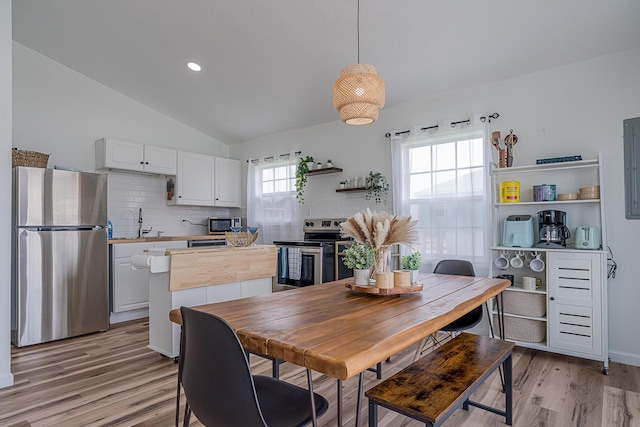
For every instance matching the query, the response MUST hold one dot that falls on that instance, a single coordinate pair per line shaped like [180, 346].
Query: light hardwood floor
[112, 379]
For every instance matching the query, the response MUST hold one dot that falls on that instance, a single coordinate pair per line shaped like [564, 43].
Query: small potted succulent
[306, 163]
[360, 257]
[329, 163]
[412, 262]
[342, 185]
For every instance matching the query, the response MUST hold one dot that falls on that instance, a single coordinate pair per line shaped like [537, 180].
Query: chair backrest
[455, 266]
[216, 376]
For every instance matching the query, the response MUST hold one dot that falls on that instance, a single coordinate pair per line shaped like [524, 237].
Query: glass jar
[382, 260]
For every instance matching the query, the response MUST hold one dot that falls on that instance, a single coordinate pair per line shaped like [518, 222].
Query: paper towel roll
[140, 261]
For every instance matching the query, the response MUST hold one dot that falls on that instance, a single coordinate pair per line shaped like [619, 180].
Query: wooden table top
[338, 332]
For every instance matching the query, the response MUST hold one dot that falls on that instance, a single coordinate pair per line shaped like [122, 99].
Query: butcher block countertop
[196, 267]
[165, 238]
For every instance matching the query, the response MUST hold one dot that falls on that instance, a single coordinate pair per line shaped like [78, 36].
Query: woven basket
[519, 329]
[525, 303]
[32, 159]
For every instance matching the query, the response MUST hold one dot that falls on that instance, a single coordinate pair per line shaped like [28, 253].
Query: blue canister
[109, 229]
[544, 193]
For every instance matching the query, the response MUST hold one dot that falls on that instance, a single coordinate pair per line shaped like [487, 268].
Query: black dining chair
[456, 267]
[221, 391]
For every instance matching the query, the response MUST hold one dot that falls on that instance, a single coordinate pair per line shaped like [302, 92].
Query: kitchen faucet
[141, 232]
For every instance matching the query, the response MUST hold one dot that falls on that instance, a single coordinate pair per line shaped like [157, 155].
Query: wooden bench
[432, 388]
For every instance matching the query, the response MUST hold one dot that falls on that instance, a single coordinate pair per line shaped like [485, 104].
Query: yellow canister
[510, 192]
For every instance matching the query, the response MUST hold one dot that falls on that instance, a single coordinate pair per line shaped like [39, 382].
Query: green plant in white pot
[360, 258]
[412, 262]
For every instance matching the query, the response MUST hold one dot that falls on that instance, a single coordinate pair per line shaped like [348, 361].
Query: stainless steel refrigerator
[60, 255]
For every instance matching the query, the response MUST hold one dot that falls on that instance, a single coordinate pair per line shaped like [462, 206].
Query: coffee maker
[553, 229]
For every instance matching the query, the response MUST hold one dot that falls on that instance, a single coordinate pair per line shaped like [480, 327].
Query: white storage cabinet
[567, 313]
[129, 288]
[227, 181]
[132, 156]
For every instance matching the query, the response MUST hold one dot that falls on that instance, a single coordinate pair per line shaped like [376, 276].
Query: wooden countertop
[338, 332]
[166, 238]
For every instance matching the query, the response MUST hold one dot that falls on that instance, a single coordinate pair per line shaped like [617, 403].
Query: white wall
[575, 109]
[59, 111]
[6, 378]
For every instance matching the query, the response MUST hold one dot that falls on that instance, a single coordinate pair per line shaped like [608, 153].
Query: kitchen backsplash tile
[129, 192]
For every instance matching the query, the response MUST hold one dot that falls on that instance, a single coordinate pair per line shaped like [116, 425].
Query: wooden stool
[432, 388]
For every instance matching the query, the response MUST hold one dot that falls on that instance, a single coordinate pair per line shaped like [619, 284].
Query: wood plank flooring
[112, 379]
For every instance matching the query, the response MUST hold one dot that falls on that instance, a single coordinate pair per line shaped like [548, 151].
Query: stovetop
[322, 225]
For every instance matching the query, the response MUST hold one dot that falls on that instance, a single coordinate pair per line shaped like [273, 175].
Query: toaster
[587, 238]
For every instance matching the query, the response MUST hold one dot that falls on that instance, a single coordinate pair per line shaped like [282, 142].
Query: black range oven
[312, 260]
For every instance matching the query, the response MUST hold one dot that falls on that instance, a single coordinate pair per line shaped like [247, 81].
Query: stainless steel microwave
[219, 225]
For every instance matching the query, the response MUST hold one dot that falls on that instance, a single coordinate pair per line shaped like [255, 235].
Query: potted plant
[301, 176]
[376, 187]
[360, 258]
[412, 262]
[342, 185]
[329, 163]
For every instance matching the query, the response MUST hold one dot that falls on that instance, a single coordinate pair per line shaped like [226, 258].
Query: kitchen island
[197, 276]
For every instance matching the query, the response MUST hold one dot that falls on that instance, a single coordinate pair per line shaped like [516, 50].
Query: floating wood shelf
[324, 171]
[348, 190]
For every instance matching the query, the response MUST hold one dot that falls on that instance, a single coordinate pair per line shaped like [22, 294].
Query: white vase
[361, 277]
[414, 275]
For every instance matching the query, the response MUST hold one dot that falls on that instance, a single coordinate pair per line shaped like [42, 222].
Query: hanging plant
[376, 188]
[301, 177]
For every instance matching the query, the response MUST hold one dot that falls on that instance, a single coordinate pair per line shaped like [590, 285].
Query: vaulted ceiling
[269, 66]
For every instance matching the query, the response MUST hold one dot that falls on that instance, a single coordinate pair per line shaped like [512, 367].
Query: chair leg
[187, 415]
[493, 335]
[339, 399]
[178, 404]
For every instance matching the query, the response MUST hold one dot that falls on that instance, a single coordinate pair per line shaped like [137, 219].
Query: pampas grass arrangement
[380, 229]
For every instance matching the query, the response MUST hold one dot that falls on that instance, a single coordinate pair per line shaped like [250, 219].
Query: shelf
[555, 202]
[546, 167]
[324, 171]
[518, 288]
[349, 190]
[534, 249]
[541, 319]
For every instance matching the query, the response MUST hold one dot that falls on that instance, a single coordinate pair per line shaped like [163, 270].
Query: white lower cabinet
[566, 312]
[164, 335]
[129, 288]
[575, 302]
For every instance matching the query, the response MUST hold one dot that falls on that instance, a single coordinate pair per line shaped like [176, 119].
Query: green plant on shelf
[376, 187]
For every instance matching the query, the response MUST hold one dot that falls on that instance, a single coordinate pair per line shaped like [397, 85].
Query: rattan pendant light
[359, 91]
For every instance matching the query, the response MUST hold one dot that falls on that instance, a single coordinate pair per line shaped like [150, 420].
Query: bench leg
[373, 414]
[508, 379]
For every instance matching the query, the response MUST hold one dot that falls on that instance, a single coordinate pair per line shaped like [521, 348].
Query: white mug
[530, 283]
[502, 262]
[516, 261]
[537, 264]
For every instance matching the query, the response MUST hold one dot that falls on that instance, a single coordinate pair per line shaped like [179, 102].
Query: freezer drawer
[61, 285]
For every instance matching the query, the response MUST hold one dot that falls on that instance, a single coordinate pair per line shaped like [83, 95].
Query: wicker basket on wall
[28, 158]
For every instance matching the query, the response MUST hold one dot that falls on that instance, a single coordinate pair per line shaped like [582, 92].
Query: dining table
[340, 332]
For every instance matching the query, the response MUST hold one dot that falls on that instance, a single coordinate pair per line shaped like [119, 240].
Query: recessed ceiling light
[193, 66]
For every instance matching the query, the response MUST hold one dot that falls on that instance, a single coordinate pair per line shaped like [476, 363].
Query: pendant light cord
[358, 26]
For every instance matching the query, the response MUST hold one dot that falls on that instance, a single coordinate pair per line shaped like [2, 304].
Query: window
[441, 182]
[271, 199]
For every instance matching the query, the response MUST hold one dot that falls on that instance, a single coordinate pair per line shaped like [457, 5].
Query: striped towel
[295, 263]
[283, 263]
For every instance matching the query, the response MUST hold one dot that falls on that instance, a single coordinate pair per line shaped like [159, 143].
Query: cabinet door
[117, 154]
[130, 287]
[575, 301]
[160, 160]
[227, 182]
[194, 180]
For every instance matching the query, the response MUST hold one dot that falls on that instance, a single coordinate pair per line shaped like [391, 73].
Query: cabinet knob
[142, 163]
[146, 163]
[179, 197]
[552, 298]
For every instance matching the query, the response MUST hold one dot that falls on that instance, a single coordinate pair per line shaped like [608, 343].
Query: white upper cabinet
[160, 160]
[133, 156]
[194, 179]
[227, 182]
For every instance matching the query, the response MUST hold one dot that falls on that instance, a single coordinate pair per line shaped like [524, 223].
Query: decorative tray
[371, 289]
